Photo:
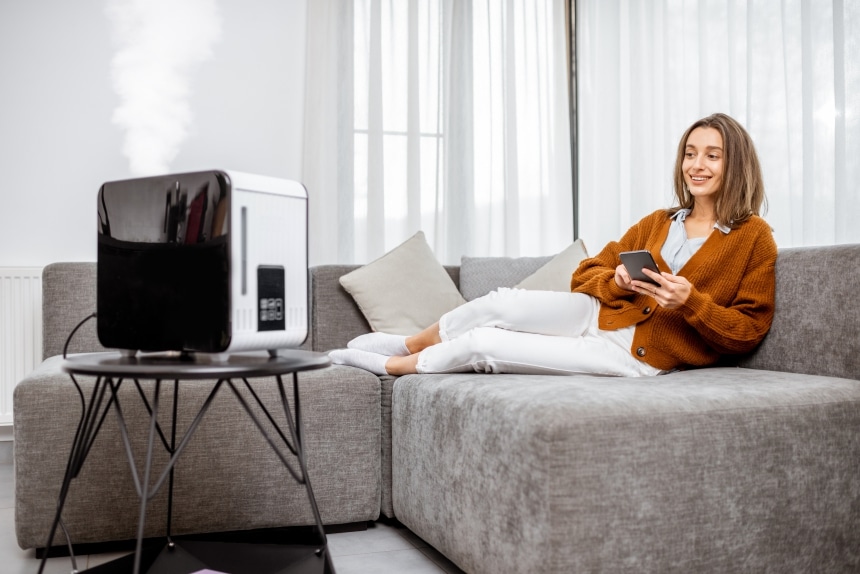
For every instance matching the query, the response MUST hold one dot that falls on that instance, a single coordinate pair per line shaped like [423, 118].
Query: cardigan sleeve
[740, 326]
[596, 276]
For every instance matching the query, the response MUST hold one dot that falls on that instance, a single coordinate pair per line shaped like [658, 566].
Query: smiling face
[703, 163]
[717, 171]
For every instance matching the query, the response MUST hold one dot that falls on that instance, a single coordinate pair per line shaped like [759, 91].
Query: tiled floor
[381, 549]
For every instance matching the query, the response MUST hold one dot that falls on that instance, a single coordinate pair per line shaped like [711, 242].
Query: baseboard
[7, 449]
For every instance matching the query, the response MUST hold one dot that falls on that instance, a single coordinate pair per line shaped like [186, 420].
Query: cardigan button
[640, 351]
[646, 310]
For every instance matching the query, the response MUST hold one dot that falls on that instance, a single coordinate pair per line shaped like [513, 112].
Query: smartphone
[634, 261]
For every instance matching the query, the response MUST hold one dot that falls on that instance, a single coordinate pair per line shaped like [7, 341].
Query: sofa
[752, 465]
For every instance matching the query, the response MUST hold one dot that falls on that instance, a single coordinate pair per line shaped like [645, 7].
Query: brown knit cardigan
[730, 307]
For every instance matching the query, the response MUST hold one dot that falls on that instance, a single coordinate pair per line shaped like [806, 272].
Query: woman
[716, 298]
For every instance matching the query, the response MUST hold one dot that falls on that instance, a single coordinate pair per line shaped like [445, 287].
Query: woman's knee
[483, 342]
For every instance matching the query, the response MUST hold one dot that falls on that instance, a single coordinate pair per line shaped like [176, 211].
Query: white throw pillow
[405, 290]
[556, 274]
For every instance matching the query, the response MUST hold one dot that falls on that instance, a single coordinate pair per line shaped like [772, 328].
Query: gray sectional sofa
[750, 466]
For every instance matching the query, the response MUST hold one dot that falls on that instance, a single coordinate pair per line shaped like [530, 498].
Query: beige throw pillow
[405, 290]
[556, 274]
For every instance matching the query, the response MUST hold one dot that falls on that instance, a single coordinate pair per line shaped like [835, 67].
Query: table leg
[144, 492]
[172, 450]
[301, 456]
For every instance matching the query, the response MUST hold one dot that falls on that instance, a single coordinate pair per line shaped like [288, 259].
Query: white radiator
[20, 330]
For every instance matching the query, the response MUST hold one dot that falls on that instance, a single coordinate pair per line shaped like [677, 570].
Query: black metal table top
[194, 366]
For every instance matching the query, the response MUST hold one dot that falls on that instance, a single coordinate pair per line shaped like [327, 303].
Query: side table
[175, 556]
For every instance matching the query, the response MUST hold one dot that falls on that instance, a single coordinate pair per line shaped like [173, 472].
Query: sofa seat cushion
[712, 470]
[228, 478]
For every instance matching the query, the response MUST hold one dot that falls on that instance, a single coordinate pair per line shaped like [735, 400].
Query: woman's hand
[623, 280]
[671, 293]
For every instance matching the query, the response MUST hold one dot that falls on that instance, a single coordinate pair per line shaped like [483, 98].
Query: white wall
[57, 141]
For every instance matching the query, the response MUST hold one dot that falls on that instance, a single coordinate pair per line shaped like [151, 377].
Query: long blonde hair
[742, 192]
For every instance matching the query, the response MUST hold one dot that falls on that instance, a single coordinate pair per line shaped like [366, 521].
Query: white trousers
[531, 332]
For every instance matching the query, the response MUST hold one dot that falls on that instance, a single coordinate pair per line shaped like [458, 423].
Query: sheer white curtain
[446, 116]
[787, 70]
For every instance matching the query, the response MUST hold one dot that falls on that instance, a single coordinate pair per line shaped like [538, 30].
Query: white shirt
[678, 248]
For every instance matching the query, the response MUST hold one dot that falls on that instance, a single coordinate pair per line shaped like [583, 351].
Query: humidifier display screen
[270, 294]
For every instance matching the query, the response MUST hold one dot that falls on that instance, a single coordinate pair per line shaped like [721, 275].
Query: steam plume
[159, 42]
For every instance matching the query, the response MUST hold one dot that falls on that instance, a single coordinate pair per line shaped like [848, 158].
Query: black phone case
[634, 261]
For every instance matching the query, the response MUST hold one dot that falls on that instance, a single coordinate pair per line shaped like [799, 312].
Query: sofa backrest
[335, 317]
[68, 297]
[816, 327]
